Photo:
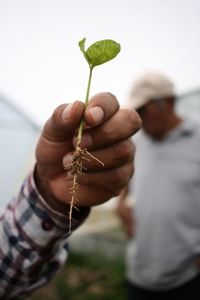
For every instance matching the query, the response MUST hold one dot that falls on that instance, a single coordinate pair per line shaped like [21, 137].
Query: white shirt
[166, 245]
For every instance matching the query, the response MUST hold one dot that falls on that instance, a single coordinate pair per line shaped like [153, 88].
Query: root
[76, 169]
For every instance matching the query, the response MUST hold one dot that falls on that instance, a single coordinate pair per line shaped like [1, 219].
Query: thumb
[63, 122]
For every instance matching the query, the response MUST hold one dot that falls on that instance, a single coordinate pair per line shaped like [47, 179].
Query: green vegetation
[86, 277]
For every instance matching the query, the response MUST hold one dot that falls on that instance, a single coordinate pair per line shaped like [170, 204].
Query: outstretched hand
[106, 136]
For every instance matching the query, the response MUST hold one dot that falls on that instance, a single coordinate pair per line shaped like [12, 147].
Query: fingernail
[67, 160]
[96, 113]
[67, 111]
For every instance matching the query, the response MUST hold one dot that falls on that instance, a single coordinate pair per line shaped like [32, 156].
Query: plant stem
[80, 130]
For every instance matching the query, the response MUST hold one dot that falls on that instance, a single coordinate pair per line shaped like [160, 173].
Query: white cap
[150, 86]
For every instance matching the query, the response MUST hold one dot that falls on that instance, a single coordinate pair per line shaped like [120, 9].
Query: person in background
[35, 225]
[163, 226]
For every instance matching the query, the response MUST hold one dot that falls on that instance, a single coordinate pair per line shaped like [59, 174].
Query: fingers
[56, 137]
[122, 125]
[106, 137]
[111, 179]
[59, 130]
[101, 107]
[106, 185]
[66, 118]
[64, 122]
[113, 156]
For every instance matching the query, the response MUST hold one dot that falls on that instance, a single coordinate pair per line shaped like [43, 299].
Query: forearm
[33, 238]
[123, 195]
[125, 213]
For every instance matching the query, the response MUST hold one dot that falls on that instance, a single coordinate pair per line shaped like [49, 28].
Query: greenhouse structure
[18, 136]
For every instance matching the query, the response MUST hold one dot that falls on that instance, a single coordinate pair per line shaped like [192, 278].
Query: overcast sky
[41, 65]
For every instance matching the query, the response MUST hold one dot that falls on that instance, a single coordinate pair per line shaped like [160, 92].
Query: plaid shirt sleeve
[33, 242]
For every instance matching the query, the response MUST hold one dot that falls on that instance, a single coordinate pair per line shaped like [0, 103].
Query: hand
[126, 216]
[106, 137]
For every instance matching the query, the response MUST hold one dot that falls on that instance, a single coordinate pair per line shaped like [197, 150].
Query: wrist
[43, 186]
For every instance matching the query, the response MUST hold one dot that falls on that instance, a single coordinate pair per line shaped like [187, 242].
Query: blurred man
[164, 225]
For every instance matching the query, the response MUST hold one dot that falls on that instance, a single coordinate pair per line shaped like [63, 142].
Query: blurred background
[41, 67]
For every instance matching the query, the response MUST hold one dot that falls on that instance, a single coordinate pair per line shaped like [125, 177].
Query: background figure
[164, 225]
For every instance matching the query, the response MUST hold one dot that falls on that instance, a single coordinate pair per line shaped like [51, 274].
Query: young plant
[97, 54]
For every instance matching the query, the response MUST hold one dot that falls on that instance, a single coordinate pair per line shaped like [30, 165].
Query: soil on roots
[76, 169]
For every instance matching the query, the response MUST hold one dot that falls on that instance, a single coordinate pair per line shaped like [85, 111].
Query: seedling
[97, 54]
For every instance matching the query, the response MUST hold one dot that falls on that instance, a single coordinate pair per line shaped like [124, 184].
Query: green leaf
[82, 47]
[100, 52]
[82, 44]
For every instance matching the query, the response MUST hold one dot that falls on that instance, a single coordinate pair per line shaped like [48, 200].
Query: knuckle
[133, 121]
[107, 132]
[56, 116]
[104, 97]
[127, 150]
[110, 95]
[117, 192]
[123, 151]
[122, 175]
[137, 121]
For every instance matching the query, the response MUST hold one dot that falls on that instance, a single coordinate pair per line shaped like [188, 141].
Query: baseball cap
[150, 86]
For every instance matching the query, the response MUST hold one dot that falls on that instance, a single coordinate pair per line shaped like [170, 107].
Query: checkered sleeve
[33, 244]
